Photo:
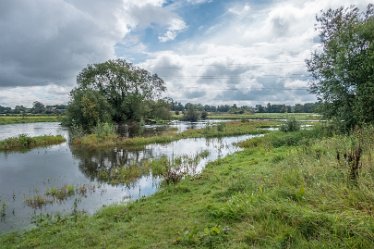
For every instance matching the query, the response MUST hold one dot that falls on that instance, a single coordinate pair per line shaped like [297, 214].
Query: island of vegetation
[24, 142]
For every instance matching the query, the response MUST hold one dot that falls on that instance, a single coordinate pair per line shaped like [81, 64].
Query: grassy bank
[94, 141]
[276, 193]
[297, 116]
[17, 119]
[24, 142]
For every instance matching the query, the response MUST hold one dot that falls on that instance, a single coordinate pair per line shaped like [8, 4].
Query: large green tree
[343, 68]
[117, 86]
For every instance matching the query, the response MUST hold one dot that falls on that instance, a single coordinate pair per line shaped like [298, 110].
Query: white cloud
[50, 94]
[239, 9]
[176, 26]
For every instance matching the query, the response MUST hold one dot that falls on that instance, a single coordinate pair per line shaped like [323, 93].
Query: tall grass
[24, 142]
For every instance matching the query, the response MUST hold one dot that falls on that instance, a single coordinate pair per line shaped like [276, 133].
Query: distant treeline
[40, 108]
[37, 108]
[269, 108]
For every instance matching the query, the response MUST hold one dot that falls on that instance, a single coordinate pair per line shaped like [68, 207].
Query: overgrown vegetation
[290, 125]
[57, 195]
[24, 142]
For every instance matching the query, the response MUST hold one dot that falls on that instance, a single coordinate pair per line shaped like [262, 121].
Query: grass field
[297, 116]
[285, 190]
[16, 119]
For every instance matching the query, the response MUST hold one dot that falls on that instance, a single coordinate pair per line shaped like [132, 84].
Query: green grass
[16, 119]
[270, 195]
[297, 116]
[24, 142]
[93, 141]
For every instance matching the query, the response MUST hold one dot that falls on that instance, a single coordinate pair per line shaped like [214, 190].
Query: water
[32, 129]
[32, 173]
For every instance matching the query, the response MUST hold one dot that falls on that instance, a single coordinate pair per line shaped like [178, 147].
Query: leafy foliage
[343, 71]
[113, 91]
[191, 114]
[290, 125]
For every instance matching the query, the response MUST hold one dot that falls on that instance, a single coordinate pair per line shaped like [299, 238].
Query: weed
[104, 130]
[290, 125]
[37, 202]
[221, 127]
[2, 210]
[210, 237]
[61, 194]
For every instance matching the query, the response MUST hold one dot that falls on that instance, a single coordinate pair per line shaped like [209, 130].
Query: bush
[191, 115]
[290, 125]
[103, 130]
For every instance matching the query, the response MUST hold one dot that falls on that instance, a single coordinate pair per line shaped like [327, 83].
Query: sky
[207, 51]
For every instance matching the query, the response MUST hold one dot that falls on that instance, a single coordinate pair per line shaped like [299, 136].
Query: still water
[29, 174]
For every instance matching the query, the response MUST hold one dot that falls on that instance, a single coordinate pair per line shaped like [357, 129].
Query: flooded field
[61, 180]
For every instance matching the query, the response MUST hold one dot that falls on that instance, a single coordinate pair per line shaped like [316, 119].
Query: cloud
[176, 26]
[48, 42]
[252, 54]
[248, 52]
[50, 94]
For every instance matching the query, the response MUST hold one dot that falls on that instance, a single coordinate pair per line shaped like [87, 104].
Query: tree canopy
[343, 69]
[115, 91]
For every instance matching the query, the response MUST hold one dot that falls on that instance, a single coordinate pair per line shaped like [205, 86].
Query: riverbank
[255, 116]
[18, 119]
[24, 142]
[279, 192]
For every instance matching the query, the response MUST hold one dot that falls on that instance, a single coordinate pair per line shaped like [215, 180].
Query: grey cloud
[195, 94]
[271, 90]
[280, 26]
[222, 74]
[167, 68]
[49, 41]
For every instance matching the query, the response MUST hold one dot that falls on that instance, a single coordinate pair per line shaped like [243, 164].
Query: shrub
[290, 125]
[103, 130]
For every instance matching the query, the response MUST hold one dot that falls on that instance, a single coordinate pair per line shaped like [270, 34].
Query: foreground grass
[93, 141]
[24, 142]
[16, 119]
[276, 193]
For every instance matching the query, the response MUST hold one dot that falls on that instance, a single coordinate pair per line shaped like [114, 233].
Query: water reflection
[91, 175]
